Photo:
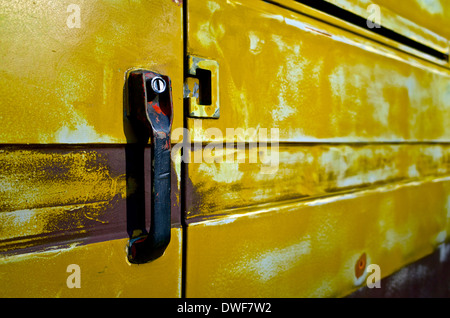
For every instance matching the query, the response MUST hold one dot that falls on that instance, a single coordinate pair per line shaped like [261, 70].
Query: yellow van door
[318, 151]
[312, 150]
[74, 182]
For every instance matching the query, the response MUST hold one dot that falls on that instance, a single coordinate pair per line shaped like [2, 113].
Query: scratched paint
[282, 236]
[269, 264]
[72, 194]
[306, 172]
[64, 205]
[34, 179]
[45, 193]
[62, 85]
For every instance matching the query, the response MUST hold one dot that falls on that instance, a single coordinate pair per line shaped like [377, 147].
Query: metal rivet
[158, 85]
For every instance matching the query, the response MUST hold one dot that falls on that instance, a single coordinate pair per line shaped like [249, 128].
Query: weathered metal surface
[359, 174]
[310, 249]
[70, 81]
[103, 268]
[302, 171]
[432, 15]
[63, 83]
[80, 205]
[363, 161]
[53, 197]
[354, 90]
[363, 30]
[196, 107]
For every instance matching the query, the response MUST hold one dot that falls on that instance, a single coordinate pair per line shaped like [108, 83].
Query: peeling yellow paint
[355, 90]
[307, 172]
[62, 85]
[256, 44]
[294, 229]
[32, 179]
[269, 264]
[431, 14]
[223, 172]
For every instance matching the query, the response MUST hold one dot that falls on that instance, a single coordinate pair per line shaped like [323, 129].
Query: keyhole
[158, 85]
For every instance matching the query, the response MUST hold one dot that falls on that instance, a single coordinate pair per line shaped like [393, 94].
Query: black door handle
[150, 109]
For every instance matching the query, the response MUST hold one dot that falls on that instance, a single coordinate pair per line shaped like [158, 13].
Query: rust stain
[166, 145]
[360, 265]
[318, 31]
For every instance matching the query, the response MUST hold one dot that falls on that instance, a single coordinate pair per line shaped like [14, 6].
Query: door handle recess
[207, 103]
[150, 110]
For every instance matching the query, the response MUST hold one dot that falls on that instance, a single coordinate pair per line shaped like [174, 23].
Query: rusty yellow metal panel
[66, 179]
[65, 205]
[325, 148]
[355, 172]
[63, 83]
[272, 76]
[104, 272]
[313, 248]
[305, 172]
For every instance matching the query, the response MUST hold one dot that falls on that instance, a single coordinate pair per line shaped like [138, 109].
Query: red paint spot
[360, 265]
[156, 108]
